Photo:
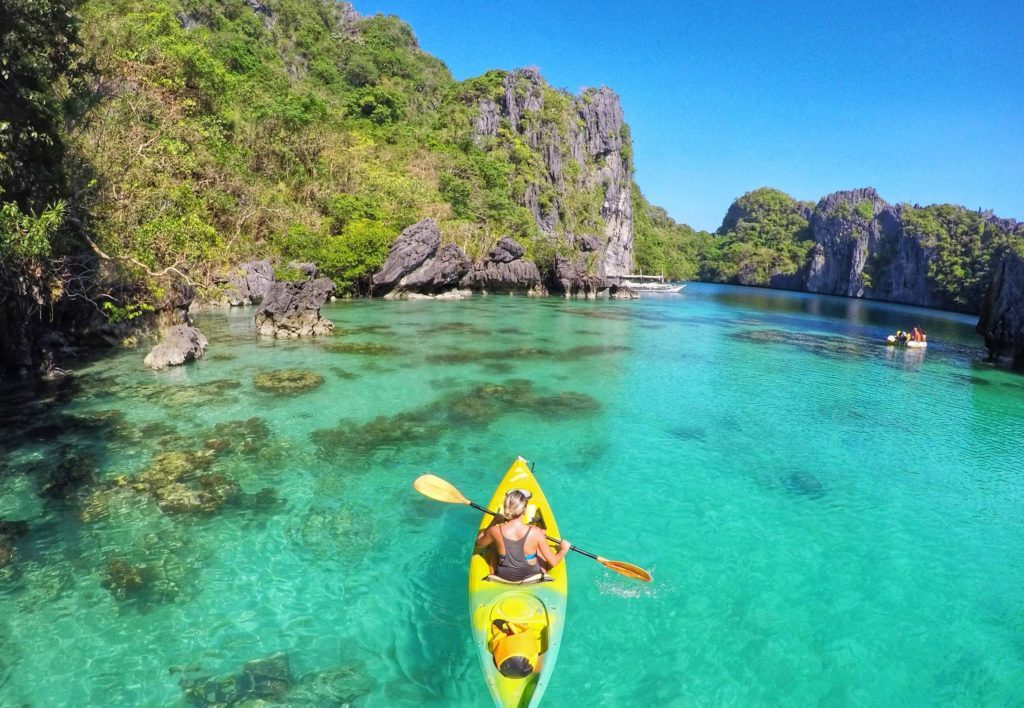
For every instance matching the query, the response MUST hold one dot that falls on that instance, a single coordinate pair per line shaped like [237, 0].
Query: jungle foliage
[764, 233]
[964, 245]
[664, 247]
[298, 131]
[199, 134]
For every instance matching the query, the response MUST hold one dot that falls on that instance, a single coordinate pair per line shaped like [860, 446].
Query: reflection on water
[889, 317]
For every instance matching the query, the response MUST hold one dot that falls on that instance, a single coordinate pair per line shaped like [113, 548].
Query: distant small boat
[650, 283]
[902, 339]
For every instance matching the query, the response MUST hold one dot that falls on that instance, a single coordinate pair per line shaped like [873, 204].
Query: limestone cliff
[856, 244]
[584, 176]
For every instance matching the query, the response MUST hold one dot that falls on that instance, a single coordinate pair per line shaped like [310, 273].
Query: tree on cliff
[40, 81]
[41, 88]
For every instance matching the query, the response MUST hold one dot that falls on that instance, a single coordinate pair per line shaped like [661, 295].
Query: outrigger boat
[517, 627]
[650, 284]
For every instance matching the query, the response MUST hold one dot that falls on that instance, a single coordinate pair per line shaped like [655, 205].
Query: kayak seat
[532, 580]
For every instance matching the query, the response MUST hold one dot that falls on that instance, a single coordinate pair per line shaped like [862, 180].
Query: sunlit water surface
[828, 520]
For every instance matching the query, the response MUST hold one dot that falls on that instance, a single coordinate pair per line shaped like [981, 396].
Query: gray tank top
[514, 564]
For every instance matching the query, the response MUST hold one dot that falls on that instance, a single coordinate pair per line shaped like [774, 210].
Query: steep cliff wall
[583, 179]
[861, 249]
[1002, 311]
[856, 244]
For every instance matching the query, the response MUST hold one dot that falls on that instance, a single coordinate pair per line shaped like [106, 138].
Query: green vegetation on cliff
[227, 133]
[765, 233]
[296, 128]
[664, 247]
[964, 243]
[197, 134]
[41, 89]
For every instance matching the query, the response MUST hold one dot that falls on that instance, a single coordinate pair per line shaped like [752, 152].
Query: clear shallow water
[828, 520]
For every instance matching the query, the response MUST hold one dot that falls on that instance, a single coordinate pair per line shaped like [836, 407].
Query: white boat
[649, 284]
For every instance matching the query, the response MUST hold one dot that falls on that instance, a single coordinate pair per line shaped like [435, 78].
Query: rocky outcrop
[1002, 311]
[487, 121]
[848, 227]
[260, 682]
[440, 273]
[173, 308]
[292, 309]
[578, 277]
[572, 279]
[417, 263]
[248, 284]
[587, 130]
[260, 9]
[181, 344]
[76, 318]
[505, 271]
[418, 266]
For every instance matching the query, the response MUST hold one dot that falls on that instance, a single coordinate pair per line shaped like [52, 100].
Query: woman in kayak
[518, 543]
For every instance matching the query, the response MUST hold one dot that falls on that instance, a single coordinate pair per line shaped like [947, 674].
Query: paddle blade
[627, 569]
[438, 489]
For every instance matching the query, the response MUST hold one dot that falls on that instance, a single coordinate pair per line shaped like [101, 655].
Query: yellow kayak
[517, 625]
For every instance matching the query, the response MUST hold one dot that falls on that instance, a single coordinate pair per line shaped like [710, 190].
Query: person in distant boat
[518, 543]
[918, 335]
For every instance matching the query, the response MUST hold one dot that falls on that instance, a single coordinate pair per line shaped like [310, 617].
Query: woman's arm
[484, 538]
[549, 556]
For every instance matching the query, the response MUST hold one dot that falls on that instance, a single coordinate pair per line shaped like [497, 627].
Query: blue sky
[922, 100]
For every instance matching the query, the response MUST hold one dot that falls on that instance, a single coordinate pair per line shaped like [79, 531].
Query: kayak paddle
[440, 490]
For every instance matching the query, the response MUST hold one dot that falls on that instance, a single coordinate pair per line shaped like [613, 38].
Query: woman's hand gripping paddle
[440, 490]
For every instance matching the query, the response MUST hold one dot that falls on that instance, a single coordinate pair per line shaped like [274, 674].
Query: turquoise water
[828, 520]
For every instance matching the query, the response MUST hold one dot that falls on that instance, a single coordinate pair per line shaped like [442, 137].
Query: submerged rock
[245, 436]
[71, 473]
[337, 686]
[475, 407]
[181, 344]
[366, 348]
[269, 677]
[125, 580]
[288, 382]
[803, 484]
[260, 680]
[8, 531]
[176, 481]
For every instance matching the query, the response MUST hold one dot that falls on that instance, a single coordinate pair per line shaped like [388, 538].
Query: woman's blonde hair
[515, 504]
